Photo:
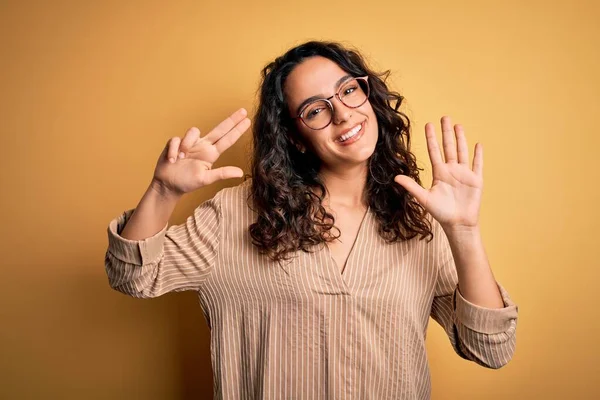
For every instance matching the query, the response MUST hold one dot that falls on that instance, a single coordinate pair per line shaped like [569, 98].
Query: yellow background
[91, 92]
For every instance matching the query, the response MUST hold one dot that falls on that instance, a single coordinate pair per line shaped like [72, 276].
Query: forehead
[315, 76]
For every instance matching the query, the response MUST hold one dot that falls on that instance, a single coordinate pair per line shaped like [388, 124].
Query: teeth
[350, 134]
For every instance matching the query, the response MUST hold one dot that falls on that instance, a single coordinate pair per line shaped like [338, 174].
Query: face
[351, 136]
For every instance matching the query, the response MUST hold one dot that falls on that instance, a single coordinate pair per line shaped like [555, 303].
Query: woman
[318, 276]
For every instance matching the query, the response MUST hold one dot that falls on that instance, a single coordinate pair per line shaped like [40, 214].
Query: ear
[298, 144]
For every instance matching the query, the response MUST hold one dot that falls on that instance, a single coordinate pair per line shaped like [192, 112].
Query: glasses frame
[330, 104]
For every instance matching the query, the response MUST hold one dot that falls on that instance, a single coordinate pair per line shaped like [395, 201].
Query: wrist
[462, 233]
[163, 193]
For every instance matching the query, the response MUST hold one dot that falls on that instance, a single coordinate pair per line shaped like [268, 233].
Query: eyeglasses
[318, 114]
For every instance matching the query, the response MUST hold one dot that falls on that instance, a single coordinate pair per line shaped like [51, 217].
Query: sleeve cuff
[482, 319]
[137, 252]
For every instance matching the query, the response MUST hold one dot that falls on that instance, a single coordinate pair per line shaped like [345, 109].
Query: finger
[448, 140]
[217, 174]
[432, 145]
[232, 136]
[173, 149]
[228, 124]
[463, 148]
[416, 190]
[478, 159]
[188, 141]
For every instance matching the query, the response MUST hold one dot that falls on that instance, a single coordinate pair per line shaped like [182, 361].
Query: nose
[341, 113]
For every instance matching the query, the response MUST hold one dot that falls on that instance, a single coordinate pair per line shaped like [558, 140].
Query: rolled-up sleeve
[175, 259]
[486, 336]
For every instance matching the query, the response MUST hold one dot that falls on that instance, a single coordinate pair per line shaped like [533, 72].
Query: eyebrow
[312, 98]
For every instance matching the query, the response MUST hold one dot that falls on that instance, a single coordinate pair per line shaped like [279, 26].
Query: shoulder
[439, 246]
[235, 192]
[436, 228]
[234, 199]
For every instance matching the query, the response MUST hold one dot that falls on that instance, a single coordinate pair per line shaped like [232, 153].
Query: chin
[365, 147]
[360, 154]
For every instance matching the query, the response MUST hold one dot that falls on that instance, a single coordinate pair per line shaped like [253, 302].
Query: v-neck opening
[344, 268]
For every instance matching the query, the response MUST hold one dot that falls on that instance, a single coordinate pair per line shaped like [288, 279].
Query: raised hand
[454, 198]
[186, 164]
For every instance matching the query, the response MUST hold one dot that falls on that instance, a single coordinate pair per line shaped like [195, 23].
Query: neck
[345, 186]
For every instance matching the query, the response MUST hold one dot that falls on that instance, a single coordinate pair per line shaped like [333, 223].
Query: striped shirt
[303, 329]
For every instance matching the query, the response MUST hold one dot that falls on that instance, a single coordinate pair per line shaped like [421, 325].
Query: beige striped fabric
[303, 330]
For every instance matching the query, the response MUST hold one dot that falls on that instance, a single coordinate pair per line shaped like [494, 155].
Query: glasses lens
[317, 115]
[354, 92]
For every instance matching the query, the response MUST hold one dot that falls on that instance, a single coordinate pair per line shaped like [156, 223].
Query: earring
[373, 176]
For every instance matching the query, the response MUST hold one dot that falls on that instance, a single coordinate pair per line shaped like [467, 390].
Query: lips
[350, 133]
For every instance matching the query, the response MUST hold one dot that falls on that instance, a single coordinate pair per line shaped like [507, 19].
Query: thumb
[217, 174]
[412, 187]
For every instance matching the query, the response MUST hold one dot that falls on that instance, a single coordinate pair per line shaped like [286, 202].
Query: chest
[390, 279]
[349, 225]
[360, 264]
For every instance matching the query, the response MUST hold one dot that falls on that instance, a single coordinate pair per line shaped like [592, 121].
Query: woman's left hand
[454, 198]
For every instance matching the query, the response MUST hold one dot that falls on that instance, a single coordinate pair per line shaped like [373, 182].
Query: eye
[349, 90]
[314, 112]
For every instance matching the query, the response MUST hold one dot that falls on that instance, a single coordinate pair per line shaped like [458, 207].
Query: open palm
[186, 165]
[454, 198]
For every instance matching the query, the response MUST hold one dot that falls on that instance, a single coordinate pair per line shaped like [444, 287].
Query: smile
[352, 135]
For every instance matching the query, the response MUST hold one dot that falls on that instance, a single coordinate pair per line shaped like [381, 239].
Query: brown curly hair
[286, 191]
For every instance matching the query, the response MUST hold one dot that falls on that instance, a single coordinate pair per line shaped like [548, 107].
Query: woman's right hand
[186, 164]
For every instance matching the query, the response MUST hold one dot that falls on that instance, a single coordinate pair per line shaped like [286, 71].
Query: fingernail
[172, 160]
[181, 155]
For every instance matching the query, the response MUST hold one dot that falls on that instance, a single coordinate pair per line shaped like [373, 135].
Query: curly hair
[286, 191]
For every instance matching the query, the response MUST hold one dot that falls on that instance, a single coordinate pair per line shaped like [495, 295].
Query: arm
[152, 213]
[485, 335]
[475, 278]
[479, 318]
[144, 258]
[171, 260]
